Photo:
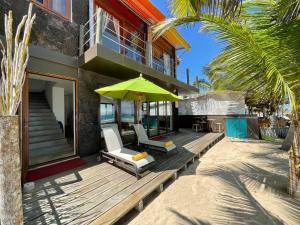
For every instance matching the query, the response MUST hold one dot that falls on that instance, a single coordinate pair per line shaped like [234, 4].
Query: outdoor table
[219, 127]
[196, 126]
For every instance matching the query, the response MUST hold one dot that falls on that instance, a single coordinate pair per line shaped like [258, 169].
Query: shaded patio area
[100, 193]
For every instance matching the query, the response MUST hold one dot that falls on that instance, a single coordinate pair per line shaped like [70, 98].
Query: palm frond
[202, 83]
[187, 8]
[288, 10]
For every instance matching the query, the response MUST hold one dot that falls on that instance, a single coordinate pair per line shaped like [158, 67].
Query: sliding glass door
[51, 119]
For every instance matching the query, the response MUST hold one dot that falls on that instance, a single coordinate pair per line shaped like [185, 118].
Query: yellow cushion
[139, 156]
[168, 143]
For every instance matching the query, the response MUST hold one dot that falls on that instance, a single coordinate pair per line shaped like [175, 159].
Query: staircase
[46, 139]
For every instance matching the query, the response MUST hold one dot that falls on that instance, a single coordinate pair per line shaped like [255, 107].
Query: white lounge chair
[156, 145]
[123, 156]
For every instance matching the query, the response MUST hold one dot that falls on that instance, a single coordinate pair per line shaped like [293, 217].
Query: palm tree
[261, 53]
[202, 83]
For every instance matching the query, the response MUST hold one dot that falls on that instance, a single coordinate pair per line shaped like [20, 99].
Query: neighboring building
[214, 106]
[221, 103]
[76, 47]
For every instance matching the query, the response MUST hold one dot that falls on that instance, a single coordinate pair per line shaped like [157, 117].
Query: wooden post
[175, 176]
[99, 25]
[140, 206]
[148, 118]
[81, 39]
[188, 76]
[160, 189]
[11, 210]
[118, 114]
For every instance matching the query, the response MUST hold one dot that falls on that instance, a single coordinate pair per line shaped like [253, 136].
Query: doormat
[158, 138]
[53, 169]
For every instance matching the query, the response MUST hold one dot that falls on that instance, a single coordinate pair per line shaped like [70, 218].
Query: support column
[188, 76]
[157, 113]
[148, 118]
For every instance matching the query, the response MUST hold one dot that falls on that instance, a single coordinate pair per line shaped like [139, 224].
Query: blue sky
[204, 47]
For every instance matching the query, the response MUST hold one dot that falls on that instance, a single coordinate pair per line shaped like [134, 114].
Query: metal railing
[105, 30]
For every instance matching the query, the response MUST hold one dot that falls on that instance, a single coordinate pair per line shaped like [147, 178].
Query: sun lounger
[143, 139]
[121, 156]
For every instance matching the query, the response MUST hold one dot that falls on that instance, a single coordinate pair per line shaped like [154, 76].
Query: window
[107, 113]
[127, 115]
[60, 7]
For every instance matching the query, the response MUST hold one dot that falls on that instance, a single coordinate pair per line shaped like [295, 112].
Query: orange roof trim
[148, 11]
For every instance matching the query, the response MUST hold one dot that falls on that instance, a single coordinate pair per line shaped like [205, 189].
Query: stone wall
[49, 30]
[89, 128]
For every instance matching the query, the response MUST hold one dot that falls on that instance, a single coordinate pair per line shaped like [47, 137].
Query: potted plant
[13, 64]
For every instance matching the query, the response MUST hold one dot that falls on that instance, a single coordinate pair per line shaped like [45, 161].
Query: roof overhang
[147, 11]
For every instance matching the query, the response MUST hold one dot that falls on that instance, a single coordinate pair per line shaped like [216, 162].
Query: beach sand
[235, 182]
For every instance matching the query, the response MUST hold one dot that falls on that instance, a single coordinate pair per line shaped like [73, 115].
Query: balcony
[109, 48]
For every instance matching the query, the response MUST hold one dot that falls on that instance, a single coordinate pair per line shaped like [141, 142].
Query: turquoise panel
[236, 127]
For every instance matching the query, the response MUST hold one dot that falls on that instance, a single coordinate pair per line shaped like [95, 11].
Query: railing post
[149, 47]
[99, 25]
[81, 39]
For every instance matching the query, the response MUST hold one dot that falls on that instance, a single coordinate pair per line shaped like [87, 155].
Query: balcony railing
[106, 30]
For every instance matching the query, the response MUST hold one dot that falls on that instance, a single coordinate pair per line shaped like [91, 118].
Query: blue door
[236, 127]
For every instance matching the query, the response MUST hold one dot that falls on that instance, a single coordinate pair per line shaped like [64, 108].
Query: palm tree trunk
[11, 211]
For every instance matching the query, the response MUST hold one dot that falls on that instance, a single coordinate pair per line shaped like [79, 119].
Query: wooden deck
[100, 193]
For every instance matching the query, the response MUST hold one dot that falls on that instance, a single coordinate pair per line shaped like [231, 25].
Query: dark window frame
[46, 5]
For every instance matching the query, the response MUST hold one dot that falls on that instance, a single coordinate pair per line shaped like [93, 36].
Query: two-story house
[76, 47]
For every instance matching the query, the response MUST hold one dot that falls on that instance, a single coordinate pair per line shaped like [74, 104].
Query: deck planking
[101, 193]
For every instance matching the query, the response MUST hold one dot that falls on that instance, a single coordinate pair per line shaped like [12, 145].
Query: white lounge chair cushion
[140, 132]
[127, 154]
[158, 144]
[115, 147]
[112, 138]
[143, 138]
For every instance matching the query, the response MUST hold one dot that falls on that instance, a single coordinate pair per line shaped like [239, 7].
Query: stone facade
[49, 30]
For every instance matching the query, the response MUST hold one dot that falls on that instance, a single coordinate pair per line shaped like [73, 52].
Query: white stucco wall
[220, 103]
[56, 100]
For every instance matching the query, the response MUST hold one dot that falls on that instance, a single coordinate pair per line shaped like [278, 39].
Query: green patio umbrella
[138, 89]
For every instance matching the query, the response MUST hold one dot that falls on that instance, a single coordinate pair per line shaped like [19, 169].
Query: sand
[235, 182]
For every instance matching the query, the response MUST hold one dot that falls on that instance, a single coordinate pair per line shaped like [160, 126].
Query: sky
[203, 47]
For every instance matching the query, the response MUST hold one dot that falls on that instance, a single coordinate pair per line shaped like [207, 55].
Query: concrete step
[38, 102]
[42, 122]
[43, 132]
[44, 138]
[42, 117]
[39, 106]
[46, 144]
[44, 127]
[39, 110]
[34, 114]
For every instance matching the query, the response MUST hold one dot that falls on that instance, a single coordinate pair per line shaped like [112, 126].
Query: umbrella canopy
[138, 89]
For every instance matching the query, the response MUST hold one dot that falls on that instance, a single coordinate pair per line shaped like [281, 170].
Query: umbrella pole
[138, 116]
